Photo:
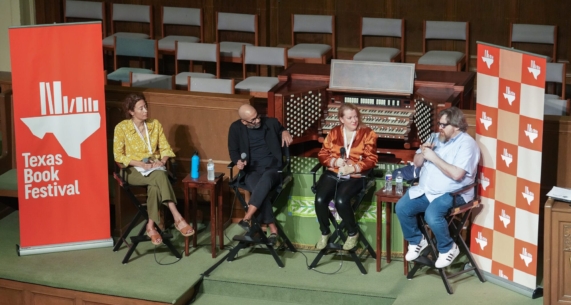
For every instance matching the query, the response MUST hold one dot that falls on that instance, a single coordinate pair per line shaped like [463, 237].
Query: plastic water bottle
[194, 163]
[398, 180]
[388, 182]
[210, 170]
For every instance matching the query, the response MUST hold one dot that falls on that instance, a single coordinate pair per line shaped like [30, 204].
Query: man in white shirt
[449, 161]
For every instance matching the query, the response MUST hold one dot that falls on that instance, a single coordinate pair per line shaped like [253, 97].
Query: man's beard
[443, 138]
[254, 126]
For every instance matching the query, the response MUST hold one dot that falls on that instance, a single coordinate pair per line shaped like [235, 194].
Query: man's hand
[339, 162]
[240, 164]
[286, 138]
[428, 153]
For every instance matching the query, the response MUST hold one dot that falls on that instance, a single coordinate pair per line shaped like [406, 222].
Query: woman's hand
[146, 166]
[347, 169]
[157, 163]
[339, 162]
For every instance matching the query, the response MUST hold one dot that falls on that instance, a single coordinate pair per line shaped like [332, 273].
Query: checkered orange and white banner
[509, 130]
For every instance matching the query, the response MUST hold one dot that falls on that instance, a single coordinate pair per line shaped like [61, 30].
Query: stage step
[209, 299]
[286, 295]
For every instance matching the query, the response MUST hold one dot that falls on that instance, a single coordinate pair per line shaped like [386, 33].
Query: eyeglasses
[253, 121]
[443, 125]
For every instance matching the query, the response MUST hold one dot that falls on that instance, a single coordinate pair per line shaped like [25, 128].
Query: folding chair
[256, 235]
[339, 236]
[456, 218]
[121, 177]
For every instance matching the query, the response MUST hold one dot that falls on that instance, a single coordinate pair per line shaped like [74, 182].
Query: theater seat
[312, 52]
[142, 48]
[381, 27]
[447, 60]
[202, 52]
[259, 86]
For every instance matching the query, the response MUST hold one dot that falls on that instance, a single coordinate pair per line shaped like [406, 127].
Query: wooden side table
[216, 225]
[389, 198]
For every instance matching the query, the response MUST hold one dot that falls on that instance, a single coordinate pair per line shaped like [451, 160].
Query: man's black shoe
[272, 239]
[246, 224]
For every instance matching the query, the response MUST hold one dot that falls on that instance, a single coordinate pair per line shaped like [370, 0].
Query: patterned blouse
[128, 145]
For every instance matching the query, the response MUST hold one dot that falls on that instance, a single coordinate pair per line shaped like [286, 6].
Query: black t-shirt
[260, 155]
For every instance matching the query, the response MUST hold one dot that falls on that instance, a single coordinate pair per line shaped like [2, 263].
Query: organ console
[307, 99]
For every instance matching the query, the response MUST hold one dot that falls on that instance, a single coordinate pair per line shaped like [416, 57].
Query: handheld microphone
[343, 153]
[243, 157]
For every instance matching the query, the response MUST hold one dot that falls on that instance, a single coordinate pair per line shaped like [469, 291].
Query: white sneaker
[415, 250]
[445, 259]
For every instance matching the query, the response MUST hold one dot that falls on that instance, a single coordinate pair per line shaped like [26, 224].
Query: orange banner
[61, 147]
[509, 130]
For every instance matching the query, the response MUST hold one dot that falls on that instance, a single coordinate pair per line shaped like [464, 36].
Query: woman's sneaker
[322, 243]
[415, 250]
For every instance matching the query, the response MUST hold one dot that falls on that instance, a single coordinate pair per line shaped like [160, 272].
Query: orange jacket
[363, 150]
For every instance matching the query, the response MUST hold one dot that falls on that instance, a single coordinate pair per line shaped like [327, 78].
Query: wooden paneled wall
[191, 122]
[489, 19]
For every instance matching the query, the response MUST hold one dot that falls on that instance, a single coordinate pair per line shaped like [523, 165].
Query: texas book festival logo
[71, 121]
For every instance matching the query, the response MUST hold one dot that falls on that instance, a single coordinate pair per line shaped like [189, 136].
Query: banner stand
[515, 287]
[61, 151]
[92, 244]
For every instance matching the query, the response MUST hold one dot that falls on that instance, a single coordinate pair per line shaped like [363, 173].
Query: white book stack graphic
[502, 275]
[507, 157]
[481, 240]
[71, 123]
[529, 196]
[484, 182]
[509, 95]
[485, 120]
[488, 59]
[531, 133]
[527, 257]
[506, 219]
[534, 69]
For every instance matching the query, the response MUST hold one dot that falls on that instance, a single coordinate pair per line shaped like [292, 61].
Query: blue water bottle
[194, 163]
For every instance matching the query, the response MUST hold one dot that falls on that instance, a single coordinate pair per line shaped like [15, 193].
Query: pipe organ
[307, 99]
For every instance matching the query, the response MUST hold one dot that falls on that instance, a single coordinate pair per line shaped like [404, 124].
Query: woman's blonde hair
[344, 107]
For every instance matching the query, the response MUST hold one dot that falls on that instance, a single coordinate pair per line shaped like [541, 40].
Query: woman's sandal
[156, 238]
[184, 228]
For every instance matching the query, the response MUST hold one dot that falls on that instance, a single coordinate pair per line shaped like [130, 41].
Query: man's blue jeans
[434, 213]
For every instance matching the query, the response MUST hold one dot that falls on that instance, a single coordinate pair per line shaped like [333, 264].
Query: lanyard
[148, 142]
[348, 145]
